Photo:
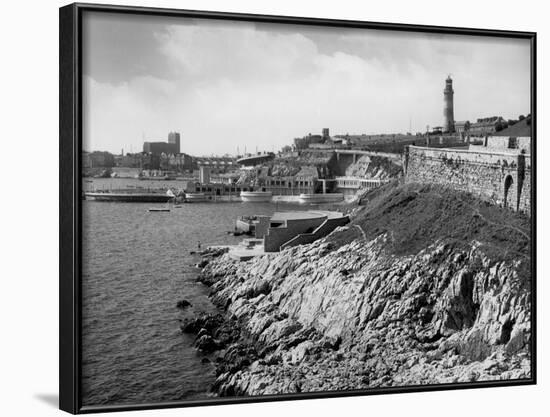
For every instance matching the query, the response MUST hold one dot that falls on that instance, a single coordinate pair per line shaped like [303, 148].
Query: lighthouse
[448, 110]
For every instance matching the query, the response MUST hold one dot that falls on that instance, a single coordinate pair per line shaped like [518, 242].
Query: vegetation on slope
[417, 215]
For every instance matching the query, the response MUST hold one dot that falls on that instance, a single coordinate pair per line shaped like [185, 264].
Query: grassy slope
[417, 215]
[521, 128]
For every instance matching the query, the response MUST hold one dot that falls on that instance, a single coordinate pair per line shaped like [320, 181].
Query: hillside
[521, 128]
[416, 215]
[424, 286]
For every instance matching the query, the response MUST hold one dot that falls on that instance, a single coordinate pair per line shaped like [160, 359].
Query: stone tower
[174, 139]
[448, 108]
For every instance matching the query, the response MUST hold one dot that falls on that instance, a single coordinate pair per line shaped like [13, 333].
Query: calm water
[136, 266]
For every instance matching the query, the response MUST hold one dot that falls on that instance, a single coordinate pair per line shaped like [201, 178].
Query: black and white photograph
[273, 209]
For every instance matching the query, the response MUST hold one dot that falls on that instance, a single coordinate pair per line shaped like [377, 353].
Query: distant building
[462, 126]
[170, 147]
[176, 162]
[303, 143]
[130, 160]
[226, 178]
[305, 181]
[158, 148]
[286, 186]
[204, 175]
[325, 146]
[256, 159]
[174, 139]
[98, 159]
[216, 189]
[487, 125]
[216, 164]
[150, 161]
[140, 160]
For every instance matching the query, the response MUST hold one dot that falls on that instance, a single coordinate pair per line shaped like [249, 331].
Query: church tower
[448, 108]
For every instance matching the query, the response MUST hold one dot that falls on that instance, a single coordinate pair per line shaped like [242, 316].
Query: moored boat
[130, 196]
[195, 197]
[321, 198]
[256, 196]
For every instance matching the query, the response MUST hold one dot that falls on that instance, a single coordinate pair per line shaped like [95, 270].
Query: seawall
[501, 178]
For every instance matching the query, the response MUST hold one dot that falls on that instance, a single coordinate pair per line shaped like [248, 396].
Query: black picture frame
[70, 205]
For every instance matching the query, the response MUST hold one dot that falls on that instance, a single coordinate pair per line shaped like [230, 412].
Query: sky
[228, 86]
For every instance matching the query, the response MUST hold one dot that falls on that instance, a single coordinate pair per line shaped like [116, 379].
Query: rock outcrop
[358, 314]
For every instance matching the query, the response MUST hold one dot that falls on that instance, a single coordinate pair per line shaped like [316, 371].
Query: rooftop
[303, 215]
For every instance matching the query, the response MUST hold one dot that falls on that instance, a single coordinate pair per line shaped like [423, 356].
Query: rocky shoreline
[357, 315]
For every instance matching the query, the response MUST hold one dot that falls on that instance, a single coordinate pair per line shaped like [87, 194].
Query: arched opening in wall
[507, 184]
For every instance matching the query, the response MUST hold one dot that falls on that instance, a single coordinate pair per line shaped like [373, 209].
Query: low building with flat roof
[290, 228]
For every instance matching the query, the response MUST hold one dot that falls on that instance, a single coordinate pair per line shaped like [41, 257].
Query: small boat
[154, 209]
[195, 197]
[321, 198]
[256, 196]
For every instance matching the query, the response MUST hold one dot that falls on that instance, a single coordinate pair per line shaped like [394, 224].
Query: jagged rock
[260, 288]
[207, 344]
[518, 340]
[209, 322]
[202, 332]
[182, 304]
[322, 317]
[202, 263]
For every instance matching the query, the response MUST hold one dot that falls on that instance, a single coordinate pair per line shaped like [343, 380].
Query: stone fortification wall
[505, 144]
[524, 143]
[500, 178]
[524, 172]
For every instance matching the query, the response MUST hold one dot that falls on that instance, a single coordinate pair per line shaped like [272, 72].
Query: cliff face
[353, 314]
[375, 167]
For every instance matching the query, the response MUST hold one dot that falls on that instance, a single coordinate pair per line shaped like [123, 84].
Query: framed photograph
[259, 208]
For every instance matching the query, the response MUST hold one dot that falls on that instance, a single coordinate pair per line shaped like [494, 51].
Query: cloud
[210, 51]
[117, 116]
[237, 84]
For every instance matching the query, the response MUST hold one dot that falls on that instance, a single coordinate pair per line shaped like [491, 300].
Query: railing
[357, 182]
